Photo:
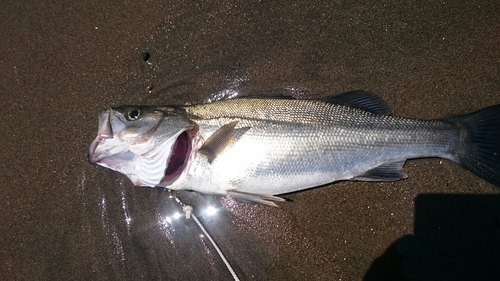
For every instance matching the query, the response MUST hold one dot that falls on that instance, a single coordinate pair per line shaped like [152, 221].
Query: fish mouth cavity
[178, 158]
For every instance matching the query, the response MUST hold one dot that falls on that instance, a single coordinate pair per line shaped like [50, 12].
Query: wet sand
[62, 218]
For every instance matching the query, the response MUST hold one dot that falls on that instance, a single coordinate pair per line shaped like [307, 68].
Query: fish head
[150, 145]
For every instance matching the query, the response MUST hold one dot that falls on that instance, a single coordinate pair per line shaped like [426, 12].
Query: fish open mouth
[146, 161]
[178, 158]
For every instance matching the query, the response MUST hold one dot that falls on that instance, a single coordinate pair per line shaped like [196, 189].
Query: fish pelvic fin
[479, 144]
[255, 198]
[220, 139]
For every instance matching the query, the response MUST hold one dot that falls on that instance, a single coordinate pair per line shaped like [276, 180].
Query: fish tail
[479, 147]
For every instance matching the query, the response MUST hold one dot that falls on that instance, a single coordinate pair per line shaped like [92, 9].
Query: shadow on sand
[457, 237]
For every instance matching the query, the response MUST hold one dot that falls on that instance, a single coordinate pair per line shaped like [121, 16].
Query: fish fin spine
[360, 99]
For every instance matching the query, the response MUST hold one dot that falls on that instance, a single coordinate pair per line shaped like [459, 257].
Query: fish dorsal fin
[218, 141]
[267, 96]
[389, 171]
[255, 198]
[360, 99]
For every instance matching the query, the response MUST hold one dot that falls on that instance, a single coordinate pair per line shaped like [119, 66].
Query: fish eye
[134, 114]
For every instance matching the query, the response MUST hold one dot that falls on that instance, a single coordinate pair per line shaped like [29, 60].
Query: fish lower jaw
[141, 182]
[91, 154]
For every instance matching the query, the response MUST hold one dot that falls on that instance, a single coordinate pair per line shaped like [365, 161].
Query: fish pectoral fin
[218, 141]
[360, 99]
[263, 199]
[389, 171]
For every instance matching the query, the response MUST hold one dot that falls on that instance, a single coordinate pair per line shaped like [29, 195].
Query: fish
[259, 147]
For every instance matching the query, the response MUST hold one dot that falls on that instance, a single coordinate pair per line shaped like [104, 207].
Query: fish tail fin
[479, 147]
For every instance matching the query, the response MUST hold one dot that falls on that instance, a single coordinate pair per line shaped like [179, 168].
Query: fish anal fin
[389, 171]
[263, 199]
[218, 141]
[360, 99]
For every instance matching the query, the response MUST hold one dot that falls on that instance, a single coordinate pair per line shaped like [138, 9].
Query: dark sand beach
[62, 218]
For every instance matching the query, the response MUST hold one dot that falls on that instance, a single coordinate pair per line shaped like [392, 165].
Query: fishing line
[188, 211]
[235, 277]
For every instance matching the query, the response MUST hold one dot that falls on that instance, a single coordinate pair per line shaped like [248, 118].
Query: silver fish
[258, 147]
